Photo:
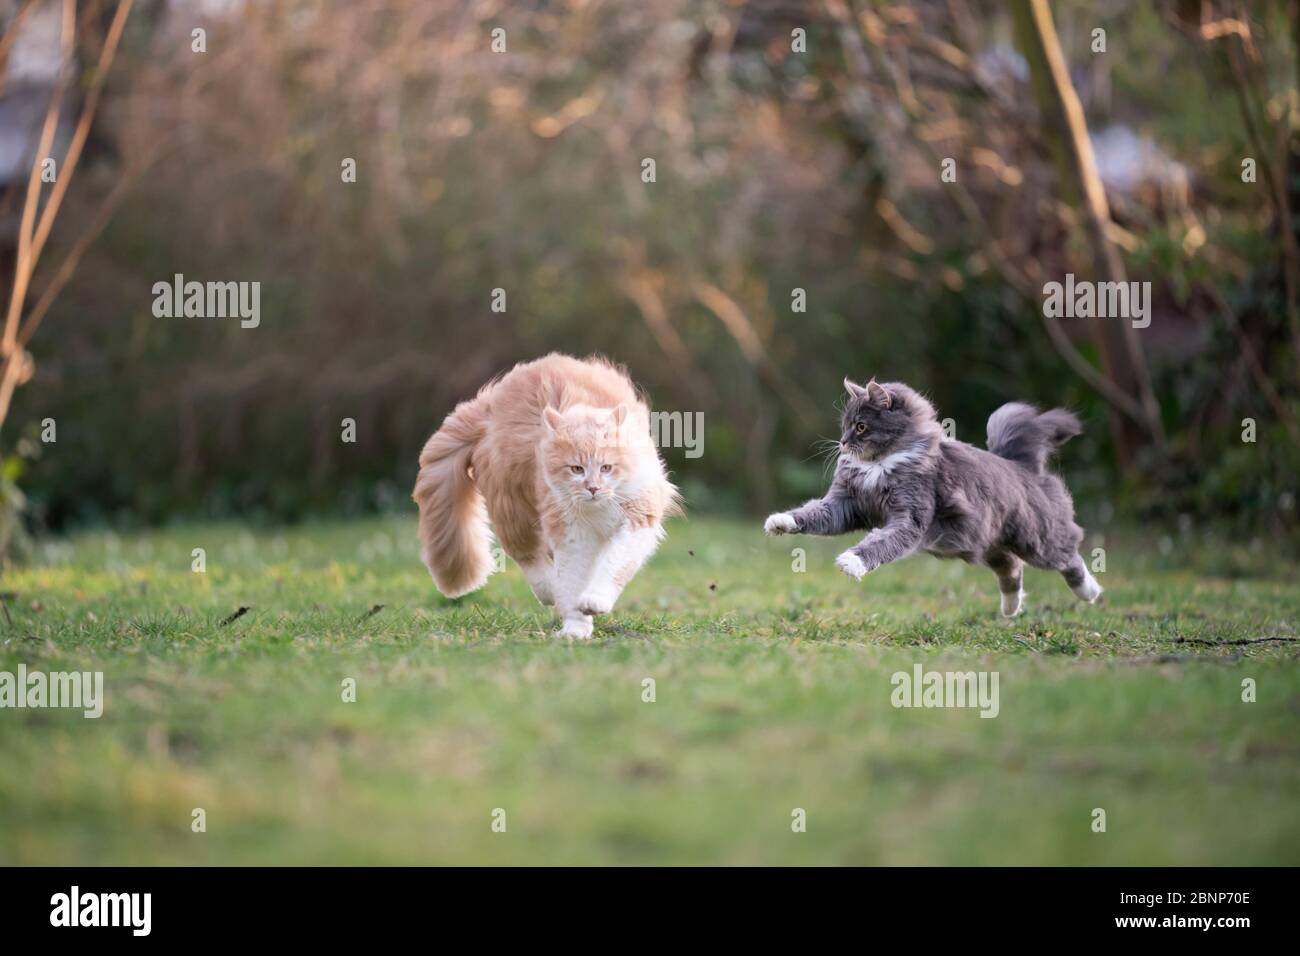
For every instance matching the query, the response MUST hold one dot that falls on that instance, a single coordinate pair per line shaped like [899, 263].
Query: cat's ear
[878, 395]
[855, 391]
[551, 419]
[614, 434]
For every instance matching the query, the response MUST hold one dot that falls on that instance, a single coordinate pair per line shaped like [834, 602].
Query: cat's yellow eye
[576, 469]
[859, 428]
[606, 469]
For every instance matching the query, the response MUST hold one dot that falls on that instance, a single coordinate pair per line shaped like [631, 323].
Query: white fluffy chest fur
[869, 475]
[598, 519]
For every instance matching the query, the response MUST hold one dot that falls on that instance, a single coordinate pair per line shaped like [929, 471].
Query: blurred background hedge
[783, 161]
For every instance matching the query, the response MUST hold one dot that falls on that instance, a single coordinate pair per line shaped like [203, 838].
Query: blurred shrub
[523, 171]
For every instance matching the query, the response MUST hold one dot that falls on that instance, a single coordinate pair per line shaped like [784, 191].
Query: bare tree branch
[32, 235]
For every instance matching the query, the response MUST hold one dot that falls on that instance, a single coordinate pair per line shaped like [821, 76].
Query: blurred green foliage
[522, 171]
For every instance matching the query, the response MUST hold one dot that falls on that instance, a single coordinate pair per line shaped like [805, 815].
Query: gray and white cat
[897, 476]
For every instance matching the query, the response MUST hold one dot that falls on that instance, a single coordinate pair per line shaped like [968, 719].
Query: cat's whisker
[823, 447]
[829, 450]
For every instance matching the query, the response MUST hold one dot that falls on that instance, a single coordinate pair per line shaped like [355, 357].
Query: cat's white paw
[578, 628]
[1088, 591]
[1013, 603]
[781, 523]
[852, 565]
[596, 602]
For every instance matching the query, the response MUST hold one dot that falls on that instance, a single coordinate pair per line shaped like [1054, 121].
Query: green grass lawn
[772, 693]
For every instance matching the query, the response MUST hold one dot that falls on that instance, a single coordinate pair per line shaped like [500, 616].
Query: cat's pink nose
[593, 489]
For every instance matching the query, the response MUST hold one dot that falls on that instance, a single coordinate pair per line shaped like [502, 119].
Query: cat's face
[585, 453]
[881, 419]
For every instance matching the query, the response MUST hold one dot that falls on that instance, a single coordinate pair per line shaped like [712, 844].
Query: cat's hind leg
[1011, 574]
[514, 519]
[620, 559]
[540, 575]
[1071, 567]
[1056, 548]
[1080, 580]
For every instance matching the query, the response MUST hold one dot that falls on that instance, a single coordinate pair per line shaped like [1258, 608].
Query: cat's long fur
[915, 491]
[557, 454]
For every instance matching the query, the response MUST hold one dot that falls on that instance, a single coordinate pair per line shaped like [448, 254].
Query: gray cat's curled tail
[1023, 434]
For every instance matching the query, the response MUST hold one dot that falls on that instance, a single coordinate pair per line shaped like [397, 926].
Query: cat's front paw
[852, 565]
[782, 523]
[577, 627]
[596, 602]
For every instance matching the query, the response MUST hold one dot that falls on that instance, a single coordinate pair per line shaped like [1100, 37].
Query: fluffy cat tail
[453, 516]
[1023, 434]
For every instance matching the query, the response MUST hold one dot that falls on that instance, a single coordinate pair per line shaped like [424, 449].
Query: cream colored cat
[557, 455]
